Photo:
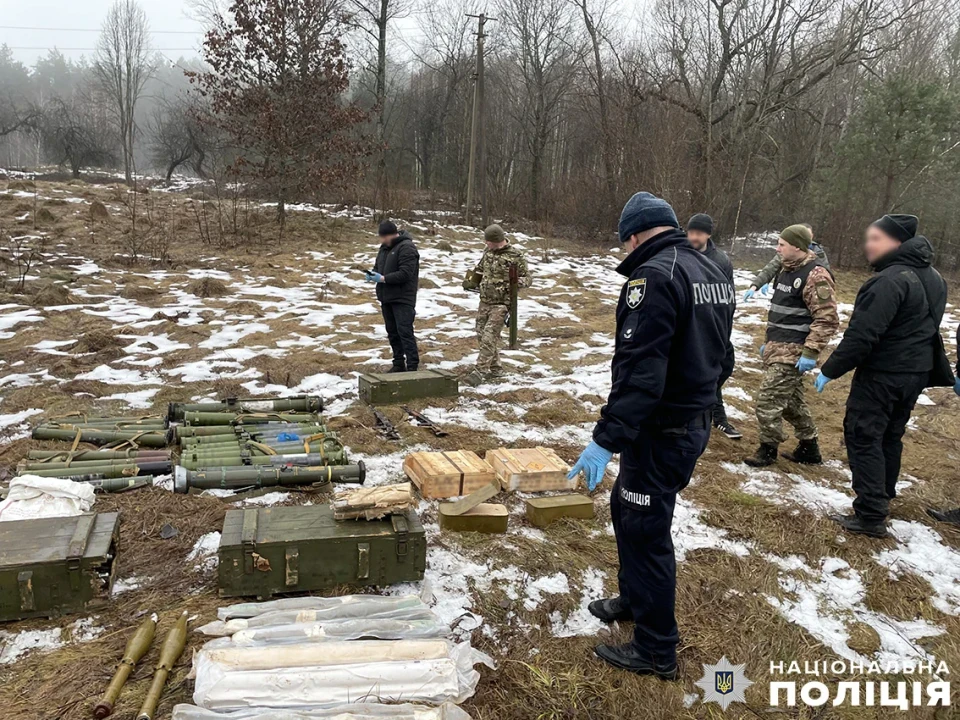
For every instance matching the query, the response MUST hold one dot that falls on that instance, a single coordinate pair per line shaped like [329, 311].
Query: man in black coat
[397, 275]
[950, 516]
[893, 343]
[672, 346]
[699, 232]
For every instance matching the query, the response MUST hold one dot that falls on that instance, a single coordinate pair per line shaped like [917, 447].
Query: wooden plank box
[275, 550]
[54, 566]
[485, 518]
[448, 474]
[396, 388]
[530, 469]
[542, 511]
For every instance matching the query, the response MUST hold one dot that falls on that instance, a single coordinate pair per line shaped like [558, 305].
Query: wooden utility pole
[477, 132]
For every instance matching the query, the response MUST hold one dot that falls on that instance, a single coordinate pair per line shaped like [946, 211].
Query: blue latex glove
[749, 294]
[287, 437]
[805, 364]
[822, 380]
[761, 349]
[765, 289]
[374, 277]
[956, 386]
[593, 462]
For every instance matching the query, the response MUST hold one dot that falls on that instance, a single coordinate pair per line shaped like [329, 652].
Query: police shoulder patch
[823, 290]
[636, 290]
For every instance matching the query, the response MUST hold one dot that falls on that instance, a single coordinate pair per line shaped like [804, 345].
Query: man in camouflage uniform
[492, 278]
[763, 278]
[803, 317]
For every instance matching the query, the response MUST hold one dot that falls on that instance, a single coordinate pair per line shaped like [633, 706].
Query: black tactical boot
[632, 658]
[397, 369]
[766, 455]
[610, 610]
[947, 516]
[852, 523]
[807, 453]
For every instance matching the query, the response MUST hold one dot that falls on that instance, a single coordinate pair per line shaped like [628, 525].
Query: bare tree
[123, 64]
[373, 17]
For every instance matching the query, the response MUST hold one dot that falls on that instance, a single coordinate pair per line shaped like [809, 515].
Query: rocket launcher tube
[137, 646]
[87, 455]
[196, 431]
[297, 460]
[239, 478]
[144, 438]
[297, 403]
[229, 418]
[171, 651]
[105, 469]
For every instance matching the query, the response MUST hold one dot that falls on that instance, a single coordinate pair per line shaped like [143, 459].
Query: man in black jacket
[699, 232]
[892, 342]
[397, 275]
[672, 346]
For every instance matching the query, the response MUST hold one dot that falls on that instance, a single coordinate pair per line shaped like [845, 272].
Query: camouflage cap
[494, 234]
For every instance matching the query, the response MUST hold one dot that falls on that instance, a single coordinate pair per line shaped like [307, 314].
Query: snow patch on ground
[921, 551]
[204, 552]
[15, 645]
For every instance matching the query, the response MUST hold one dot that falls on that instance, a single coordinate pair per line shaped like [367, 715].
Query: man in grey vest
[803, 317]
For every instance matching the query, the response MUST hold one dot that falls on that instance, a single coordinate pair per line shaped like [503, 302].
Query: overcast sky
[76, 24]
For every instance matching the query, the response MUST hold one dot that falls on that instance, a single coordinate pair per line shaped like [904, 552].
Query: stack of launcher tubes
[229, 445]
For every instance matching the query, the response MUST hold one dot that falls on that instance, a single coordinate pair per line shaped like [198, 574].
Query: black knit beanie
[899, 227]
[702, 222]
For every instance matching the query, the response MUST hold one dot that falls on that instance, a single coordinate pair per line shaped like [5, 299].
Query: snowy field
[302, 320]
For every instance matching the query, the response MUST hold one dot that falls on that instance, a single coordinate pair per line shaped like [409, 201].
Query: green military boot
[807, 453]
[766, 455]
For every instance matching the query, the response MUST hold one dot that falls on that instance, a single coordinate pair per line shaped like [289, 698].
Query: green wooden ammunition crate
[271, 551]
[55, 566]
[396, 388]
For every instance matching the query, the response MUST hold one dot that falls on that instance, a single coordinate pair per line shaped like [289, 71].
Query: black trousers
[398, 320]
[652, 471]
[719, 411]
[878, 410]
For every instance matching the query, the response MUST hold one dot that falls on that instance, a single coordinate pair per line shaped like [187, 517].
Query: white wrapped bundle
[219, 628]
[346, 606]
[363, 711]
[339, 673]
[342, 630]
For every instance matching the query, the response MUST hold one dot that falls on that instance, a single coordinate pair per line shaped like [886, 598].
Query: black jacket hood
[917, 252]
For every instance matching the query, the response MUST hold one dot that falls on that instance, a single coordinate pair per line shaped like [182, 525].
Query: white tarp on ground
[447, 711]
[32, 497]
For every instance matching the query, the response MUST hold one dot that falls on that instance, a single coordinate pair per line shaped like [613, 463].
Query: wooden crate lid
[290, 524]
[559, 501]
[452, 463]
[525, 460]
[53, 540]
[481, 510]
[413, 376]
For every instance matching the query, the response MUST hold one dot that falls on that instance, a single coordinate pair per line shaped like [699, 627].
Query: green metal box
[55, 566]
[395, 388]
[276, 550]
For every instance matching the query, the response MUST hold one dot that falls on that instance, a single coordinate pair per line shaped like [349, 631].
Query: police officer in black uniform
[672, 346]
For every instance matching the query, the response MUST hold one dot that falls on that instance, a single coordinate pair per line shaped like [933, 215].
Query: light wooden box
[530, 469]
[447, 474]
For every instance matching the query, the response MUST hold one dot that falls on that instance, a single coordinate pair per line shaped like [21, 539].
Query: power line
[53, 29]
[75, 49]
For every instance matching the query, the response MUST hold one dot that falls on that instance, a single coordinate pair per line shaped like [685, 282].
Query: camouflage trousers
[490, 319]
[782, 398]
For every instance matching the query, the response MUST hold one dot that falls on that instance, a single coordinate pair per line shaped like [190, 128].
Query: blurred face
[698, 238]
[495, 245]
[877, 244]
[387, 239]
[788, 252]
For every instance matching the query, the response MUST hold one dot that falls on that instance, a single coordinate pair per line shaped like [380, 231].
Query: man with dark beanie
[672, 346]
[699, 232]
[802, 319]
[397, 275]
[893, 343]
